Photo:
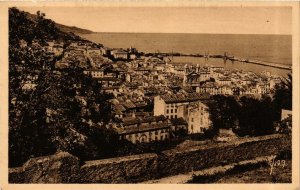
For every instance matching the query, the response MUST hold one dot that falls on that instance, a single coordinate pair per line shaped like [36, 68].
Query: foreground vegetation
[52, 117]
[249, 116]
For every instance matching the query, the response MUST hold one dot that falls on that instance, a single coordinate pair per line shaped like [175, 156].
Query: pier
[232, 58]
[258, 62]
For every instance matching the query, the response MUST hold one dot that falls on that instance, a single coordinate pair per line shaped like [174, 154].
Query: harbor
[226, 57]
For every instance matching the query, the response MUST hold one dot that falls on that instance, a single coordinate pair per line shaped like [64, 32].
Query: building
[96, 51]
[109, 81]
[198, 118]
[223, 80]
[146, 130]
[285, 114]
[96, 73]
[176, 105]
[119, 54]
[191, 75]
[179, 125]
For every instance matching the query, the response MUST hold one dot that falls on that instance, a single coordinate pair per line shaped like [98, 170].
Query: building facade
[198, 118]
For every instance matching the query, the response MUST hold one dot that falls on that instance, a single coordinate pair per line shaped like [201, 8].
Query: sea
[270, 48]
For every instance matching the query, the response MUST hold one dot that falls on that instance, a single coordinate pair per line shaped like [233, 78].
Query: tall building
[191, 107]
[176, 105]
[191, 75]
[198, 118]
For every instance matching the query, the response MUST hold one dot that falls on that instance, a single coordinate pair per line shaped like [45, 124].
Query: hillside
[29, 27]
[73, 29]
[61, 27]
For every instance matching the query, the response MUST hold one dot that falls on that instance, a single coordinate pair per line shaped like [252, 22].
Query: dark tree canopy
[52, 116]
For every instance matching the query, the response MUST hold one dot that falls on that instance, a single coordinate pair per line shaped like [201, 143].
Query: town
[153, 97]
[85, 110]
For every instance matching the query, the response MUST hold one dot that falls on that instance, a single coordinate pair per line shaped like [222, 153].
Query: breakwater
[226, 57]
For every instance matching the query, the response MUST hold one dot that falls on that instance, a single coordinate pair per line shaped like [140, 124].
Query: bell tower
[185, 75]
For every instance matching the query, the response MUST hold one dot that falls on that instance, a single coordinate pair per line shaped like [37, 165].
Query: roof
[177, 98]
[142, 128]
[95, 70]
[110, 87]
[132, 120]
[140, 105]
[129, 105]
[107, 79]
[209, 85]
[118, 51]
[119, 108]
[178, 121]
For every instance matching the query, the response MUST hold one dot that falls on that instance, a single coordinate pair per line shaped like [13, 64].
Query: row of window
[201, 129]
[150, 133]
[142, 140]
[171, 105]
[172, 117]
[201, 120]
[171, 111]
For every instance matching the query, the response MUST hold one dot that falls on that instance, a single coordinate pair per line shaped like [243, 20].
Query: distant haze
[221, 20]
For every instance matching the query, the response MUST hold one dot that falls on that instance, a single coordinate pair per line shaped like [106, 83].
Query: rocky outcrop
[58, 168]
[65, 168]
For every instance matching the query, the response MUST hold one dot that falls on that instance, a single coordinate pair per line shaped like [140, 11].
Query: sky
[218, 20]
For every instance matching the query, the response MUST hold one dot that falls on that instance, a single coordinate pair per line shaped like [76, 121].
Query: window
[171, 110]
[167, 110]
[192, 119]
[175, 116]
[171, 116]
[192, 127]
[175, 110]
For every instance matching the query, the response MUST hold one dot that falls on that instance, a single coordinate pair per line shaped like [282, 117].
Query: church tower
[197, 68]
[186, 72]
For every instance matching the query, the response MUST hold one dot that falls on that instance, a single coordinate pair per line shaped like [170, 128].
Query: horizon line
[189, 33]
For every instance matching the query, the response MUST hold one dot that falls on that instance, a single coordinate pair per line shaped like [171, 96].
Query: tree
[50, 117]
[223, 110]
[256, 117]
[285, 126]
[283, 96]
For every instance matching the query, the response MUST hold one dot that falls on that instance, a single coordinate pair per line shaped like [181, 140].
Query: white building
[175, 106]
[198, 118]
[96, 73]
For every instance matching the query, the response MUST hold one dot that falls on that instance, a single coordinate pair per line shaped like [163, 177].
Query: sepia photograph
[151, 95]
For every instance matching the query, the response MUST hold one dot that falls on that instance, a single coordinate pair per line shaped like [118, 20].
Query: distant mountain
[63, 28]
[29, 27]
[73, 29]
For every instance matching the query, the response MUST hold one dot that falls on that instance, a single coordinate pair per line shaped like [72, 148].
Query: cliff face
[65, 168]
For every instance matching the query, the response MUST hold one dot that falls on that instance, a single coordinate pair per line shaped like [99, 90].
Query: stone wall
[65, 168]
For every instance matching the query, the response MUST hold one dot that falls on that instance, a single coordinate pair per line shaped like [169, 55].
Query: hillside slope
[63, 28]
[73, 29]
